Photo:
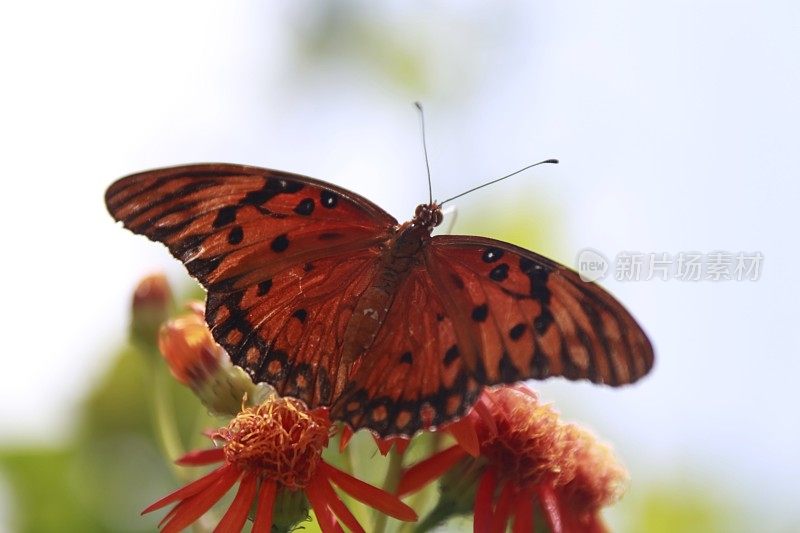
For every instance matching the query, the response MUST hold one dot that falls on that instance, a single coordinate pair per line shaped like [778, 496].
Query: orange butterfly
[323, 295]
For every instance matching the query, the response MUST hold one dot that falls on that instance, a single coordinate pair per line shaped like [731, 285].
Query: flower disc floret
[280, 440]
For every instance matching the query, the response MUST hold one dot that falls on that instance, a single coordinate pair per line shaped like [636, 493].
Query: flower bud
[152, 300]
[197, 361]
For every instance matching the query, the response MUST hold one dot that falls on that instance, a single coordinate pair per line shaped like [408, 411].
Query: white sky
[677, 127]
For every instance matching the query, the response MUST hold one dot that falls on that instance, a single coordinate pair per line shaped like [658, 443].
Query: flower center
[528, 446]
[280, 439]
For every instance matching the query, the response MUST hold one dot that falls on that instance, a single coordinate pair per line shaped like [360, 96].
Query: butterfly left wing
[529, 317]
[284, 258]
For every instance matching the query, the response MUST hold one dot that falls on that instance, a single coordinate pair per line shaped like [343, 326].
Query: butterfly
[325, 296]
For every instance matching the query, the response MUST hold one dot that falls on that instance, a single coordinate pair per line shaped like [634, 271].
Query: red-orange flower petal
[463, 430]
[236, 515]
[336, 505]
[502, 510]
[483, 500]
[266, 500]
[344, 437]
[366, 493]
[193, 508]
[523, 512]
[552, 512]
[202, 457]
[431, 468]
[189, 490]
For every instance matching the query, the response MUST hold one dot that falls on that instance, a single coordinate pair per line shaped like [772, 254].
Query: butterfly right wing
[524, 316]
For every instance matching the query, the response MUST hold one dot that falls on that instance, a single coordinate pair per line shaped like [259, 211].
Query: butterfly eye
[438, 217]
[418, 211]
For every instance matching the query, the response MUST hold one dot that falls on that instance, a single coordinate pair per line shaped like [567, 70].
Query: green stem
[434, 444]
[164, 422]
[358, 509]
[393, 473]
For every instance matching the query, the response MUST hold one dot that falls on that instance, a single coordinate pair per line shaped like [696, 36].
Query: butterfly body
[325, 296]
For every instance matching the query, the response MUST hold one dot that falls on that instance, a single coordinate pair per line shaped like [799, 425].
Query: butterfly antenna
[425, 149]
[549, 161]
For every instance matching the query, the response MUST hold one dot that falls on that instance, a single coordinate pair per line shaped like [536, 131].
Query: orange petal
[189, 490]
[523, 514]
[502, 511]
[236, 515]
[327, 521]
[323, 485]
[483, 407]
[202, 457]
[552, 512]
[431, 468]
[344, 438]
[193, 508]
[464, 432]
[266, 500]
[319, 502]
[483, 501]
[376, 498]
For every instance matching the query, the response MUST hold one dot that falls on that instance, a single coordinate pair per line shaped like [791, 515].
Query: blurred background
[677, 129]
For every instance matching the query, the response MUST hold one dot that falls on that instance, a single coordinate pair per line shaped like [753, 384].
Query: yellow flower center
[279, 439]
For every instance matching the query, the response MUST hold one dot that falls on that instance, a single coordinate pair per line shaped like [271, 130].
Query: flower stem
[434, 444]
[393, 473]
[164, 422]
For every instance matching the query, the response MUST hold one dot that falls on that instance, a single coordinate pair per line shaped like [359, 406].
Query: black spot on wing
[492, 254]
[305, 207]
[300, 314]
[202, 267]
[235, 235]
[264, 287]
[280, 243]
[499, 273]
[516, 332]
[537, 275]
[480, 312]
[451, 355]
[226, 215]
[329, 199]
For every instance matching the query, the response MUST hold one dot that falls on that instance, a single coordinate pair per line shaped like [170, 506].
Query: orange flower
[520, 459]
[273, 447]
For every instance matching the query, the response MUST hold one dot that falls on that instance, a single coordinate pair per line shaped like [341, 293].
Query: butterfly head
[428, 215]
